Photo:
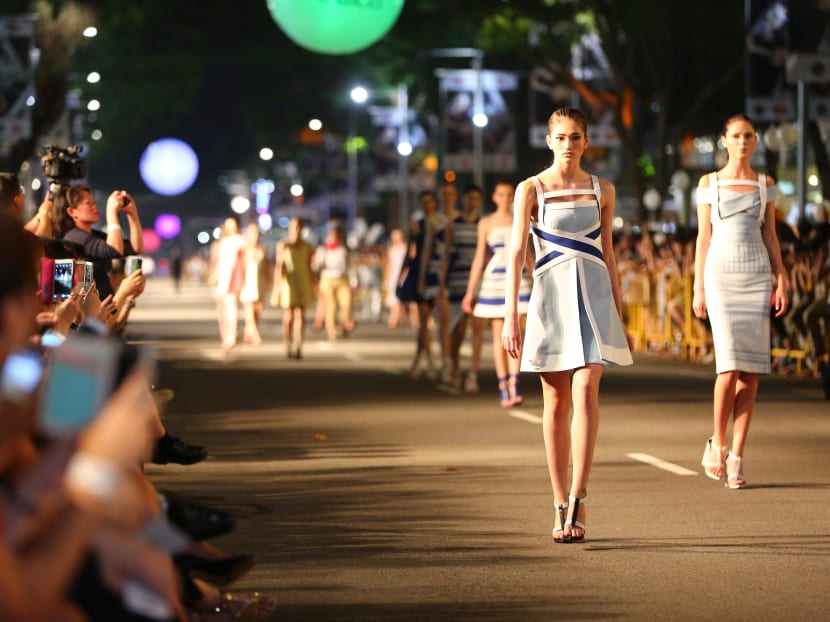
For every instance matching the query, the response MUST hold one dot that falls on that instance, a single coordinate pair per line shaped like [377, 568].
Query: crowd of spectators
[84, 533]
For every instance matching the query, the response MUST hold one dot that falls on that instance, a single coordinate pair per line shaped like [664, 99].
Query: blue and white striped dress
[490, 302]
[573, 319]
[737, 278]
[462, 253]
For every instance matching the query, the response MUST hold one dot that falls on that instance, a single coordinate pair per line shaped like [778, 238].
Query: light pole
[359, 95]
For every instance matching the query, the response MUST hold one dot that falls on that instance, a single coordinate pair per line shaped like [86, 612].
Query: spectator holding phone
[81, 213]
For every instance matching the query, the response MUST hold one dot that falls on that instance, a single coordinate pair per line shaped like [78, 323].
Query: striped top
[462, 253]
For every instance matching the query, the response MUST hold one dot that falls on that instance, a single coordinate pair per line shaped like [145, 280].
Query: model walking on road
[737, 252]
[574, 320]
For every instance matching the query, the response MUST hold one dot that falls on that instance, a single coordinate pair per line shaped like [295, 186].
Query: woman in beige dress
[293, 286]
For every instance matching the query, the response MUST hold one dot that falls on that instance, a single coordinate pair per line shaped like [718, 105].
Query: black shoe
[220, 571]
[198, 521]
[172, 449]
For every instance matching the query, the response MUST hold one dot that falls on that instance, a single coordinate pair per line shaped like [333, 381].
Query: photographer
[81, 212]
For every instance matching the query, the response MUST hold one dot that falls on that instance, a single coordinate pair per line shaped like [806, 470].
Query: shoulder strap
[597, 188]
[762, 189]
[540, 198]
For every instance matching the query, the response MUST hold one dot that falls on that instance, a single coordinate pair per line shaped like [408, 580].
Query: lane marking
[353, 356]
[525, 416]
[662, 464]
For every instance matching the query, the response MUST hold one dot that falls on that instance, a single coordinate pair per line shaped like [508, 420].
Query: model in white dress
[737, 275]
[490, 301]
[573, 319]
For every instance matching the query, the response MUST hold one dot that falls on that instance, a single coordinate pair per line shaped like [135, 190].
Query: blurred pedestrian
[574, 322]
[334, 263]
[228, 279]
[395, 257]
[254, 285]
[293, 286]
[176, 267]
[736, 260]
[462, 240]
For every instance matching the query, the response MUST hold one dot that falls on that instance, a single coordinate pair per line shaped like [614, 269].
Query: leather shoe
[198, 521]
[221, 571]
[172, 449]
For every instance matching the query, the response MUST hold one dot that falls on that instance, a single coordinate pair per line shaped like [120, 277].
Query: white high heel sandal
[708, 463]
[735, 479]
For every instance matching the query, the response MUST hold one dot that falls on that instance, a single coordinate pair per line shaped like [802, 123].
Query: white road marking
[662, 464]
[353, 356]
[525, 416]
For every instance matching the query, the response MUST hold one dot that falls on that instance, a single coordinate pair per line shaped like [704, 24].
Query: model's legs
[477, 326]
[556, 395]
[298, 313]
[585, 423]
[745, 393]
[251, 331]
[344, 299]
[724, 403]
[500, 358]
[231, 304]
[443, 309]
[456, 339]
[329, 307]
[287, 326]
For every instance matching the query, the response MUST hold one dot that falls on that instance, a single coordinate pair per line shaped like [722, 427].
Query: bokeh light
[169, 166]
[152, 241]
[168, 226]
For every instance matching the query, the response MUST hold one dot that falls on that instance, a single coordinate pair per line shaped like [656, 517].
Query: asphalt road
[368, 496]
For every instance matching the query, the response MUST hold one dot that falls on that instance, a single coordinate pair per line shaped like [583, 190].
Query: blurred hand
[68, 311]
[133, 285]
[122, 557]
[127, 205]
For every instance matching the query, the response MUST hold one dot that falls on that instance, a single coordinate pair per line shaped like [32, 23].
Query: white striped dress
[737, 278]
[572, 320]
[491, 293]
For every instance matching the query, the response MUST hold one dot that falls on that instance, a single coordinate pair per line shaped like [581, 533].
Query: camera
[61, 165]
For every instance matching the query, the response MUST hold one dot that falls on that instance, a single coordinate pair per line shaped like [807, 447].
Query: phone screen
[88, 276]
[78, 382]
[62, 281]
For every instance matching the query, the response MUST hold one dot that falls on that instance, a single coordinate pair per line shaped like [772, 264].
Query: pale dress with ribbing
[737, 280]
[572, 319]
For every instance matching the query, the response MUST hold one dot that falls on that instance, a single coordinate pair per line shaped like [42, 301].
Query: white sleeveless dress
[737, 278]
[572, 318]
[490, 302]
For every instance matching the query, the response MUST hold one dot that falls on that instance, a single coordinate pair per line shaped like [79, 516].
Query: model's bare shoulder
[704, 181]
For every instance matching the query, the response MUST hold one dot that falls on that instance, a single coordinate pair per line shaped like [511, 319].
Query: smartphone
[47, 275]
[78, 381]
[51, 339]
[63, 279]
[88, 276]
[131, 264]
[82, 374]
[21, 375]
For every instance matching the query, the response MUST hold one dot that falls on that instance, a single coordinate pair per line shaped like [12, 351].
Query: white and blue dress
[490, 303]
[572, 318]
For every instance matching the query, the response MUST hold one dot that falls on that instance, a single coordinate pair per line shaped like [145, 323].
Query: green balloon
[335, 26]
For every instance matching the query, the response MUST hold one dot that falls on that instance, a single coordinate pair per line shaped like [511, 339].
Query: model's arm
[477, 265]
[779, 297]
[609, 198]
[525, 201]
[704, 236]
